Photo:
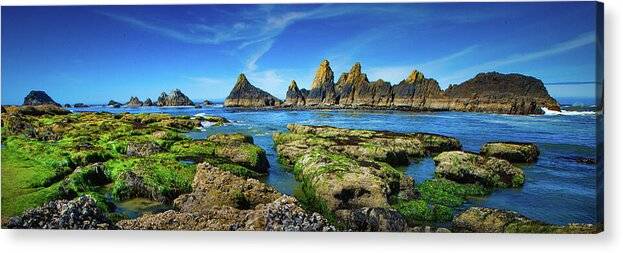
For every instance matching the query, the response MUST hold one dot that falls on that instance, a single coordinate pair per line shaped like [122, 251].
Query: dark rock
[114, 104]
[67, 105]
[37, 97]
[463, 167]
[175, 98]
[148, 102]
[81, 213]
[417, 92]
[246, 95]
[207, 102]
[368, 219]
[352, 88]
[134, 102]
[80, 105]
[501, 93]
[294, 96]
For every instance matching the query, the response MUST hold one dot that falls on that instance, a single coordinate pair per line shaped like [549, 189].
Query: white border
[178, 242]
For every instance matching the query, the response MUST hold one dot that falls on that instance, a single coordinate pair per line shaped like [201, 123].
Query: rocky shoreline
[349, 178]
[487, 92]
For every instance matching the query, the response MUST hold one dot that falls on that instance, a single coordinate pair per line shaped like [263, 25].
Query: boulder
[515, 152]
[490, 220]
[134, 102]
[213, 187]
[463, 167]
[37, 97]
[244, 94]
[80, 213]
[294, 96]
[368, 219]
[322, 92]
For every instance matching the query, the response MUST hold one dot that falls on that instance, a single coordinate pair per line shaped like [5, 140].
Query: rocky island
[174, 98]
[244, 94]
[487, 92]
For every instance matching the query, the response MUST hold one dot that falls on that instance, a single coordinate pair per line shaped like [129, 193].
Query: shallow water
[557, 189]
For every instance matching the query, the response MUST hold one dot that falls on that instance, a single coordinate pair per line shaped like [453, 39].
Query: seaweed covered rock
[244, 94]
[515, 152]
[344, 183]
[174, 98]
[34, 110]
[142, 149]
[215, 187]
[240, 149]
[81, 213]
[466, 167]
[37, 97]
[490, 220]
[368, 219]
[383, 146]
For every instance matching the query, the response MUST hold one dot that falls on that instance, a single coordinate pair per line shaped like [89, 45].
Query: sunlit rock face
[244, 94]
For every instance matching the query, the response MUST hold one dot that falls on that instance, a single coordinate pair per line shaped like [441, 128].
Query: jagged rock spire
[415, 76]
[324, 75]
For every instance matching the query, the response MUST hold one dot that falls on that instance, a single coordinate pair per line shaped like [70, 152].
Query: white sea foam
[565, 112]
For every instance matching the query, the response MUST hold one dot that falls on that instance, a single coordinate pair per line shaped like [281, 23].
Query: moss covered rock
[466, 167]
[490, 220]
[515, 152]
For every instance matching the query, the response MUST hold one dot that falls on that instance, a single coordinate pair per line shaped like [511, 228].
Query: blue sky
[95, 53]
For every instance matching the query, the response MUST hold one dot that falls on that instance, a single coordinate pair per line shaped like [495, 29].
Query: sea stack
[417, 92]
[244, 94]
[351, 84]
[134, 102]
[38, 97]
[294, 96]
[501, 93]
[148, 102]
[323, 88]
[175, 98]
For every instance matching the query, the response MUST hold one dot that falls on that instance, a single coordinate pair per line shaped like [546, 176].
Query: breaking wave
[567, 113]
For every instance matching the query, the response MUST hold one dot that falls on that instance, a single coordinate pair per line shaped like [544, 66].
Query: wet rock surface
[81, 213]
[515, 152]
[490, 220]
[464, 167]
[368, 219]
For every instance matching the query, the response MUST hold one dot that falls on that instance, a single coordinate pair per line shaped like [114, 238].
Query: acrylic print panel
[415, 117]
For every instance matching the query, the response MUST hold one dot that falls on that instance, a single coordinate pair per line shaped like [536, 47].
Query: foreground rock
[373, 220]
[490, 220]
[244, 94]
[37, 97]
[240, 149]
[383, 146]
[36, 110]
[213, 187]
[175, 98]
[515, 152]
[222, 201]
[81, 213]
[463, 167]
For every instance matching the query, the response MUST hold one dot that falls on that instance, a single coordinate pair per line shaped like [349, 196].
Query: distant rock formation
[246, 95]
[80, 105]
[67, 105]
[114, 104]
[322, 89]
[175, 98]
[487, 92]
[134, 102]
[207, 102]
[37, 97]
[501, 93]
[148, 102]
[294, 96]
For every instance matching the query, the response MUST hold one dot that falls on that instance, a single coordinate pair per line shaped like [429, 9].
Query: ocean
[558, 189]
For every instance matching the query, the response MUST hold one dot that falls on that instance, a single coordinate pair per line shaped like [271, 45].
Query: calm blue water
[557, 189]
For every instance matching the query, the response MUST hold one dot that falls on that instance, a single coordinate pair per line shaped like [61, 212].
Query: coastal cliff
[244, 94]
